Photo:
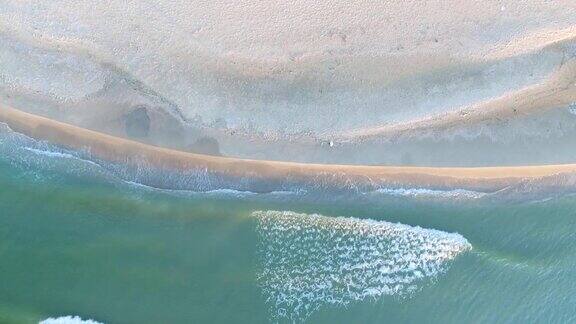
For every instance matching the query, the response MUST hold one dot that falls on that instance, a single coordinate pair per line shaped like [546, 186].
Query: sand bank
[119, 150]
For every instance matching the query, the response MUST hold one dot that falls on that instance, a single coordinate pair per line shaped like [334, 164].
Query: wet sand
[119, 150]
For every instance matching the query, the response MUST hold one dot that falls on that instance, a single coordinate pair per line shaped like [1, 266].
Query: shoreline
[119, 150]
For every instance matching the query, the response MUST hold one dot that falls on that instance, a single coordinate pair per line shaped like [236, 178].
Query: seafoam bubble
[431, 193]
[68, 320]
[572, 108]
[311, 261]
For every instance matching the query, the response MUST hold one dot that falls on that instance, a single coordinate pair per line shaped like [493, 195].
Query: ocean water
[77, 239]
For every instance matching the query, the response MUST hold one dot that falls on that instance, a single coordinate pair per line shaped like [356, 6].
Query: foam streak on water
[310, 261]
[431, 193]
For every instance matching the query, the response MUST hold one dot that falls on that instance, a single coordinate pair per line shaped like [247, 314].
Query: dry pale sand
[119, 150]
[291, 76]
[555, 91]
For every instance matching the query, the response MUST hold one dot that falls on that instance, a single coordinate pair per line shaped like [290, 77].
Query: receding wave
[327, 184]
[34, 156]
[311, 261]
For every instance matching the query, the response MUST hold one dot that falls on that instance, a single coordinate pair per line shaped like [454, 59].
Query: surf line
[120, 150]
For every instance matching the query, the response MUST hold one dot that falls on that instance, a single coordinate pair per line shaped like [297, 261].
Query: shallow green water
[74, 244]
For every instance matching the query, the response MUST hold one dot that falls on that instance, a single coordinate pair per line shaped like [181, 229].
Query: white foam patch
[430, 193]
[57, 154]
[216, 192]
[68, 320]
[572, 108]
[311, 261]
[50, 153]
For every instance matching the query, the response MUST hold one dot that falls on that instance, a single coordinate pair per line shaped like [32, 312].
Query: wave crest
[68, 320]
[310, 261]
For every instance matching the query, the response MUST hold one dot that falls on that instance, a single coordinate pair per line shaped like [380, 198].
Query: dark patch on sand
[206, 145]
[137, 123]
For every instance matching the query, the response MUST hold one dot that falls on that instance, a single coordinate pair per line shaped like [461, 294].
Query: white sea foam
[572, 108]
[216, 192]
[310, 261]
[232, 192]
[430, 193]
[68, 320]
[50, 153]
[56, 154]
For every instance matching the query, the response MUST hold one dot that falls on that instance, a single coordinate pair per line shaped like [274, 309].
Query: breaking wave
[68, 320]
[311, 261]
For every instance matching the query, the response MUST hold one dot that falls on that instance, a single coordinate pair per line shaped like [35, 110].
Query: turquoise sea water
[77, 240]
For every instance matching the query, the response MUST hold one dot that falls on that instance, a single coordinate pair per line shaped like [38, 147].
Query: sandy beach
[119, 150]
[386, 83]
[273, 161]
[301, 91]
